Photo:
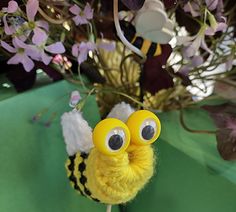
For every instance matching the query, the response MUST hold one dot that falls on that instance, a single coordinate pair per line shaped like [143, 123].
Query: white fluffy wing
[77, 133]
[121, 111]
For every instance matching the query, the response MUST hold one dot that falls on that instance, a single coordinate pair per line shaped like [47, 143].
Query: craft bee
[112, 163]
[147, 47]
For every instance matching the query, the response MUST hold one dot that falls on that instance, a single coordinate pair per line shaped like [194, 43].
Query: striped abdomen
[76, 167]
[147, 47]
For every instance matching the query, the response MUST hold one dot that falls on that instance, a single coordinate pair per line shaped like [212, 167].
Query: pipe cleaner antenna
[121, 35]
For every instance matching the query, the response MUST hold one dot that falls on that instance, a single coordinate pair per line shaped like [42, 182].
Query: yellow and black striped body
[76, 167]
[147, 47]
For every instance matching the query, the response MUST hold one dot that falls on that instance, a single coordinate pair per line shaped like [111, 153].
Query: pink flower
[38, 51]
[12, 7]
[38, 27]
[58, 59]
[193, 43]
[195, 61]
[215, 26]
[81, 17]
[194, 6]
[81, 50]
[22, 54]
[212, 4]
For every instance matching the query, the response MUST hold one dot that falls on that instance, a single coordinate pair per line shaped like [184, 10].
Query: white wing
[77, 133]
[121, 111]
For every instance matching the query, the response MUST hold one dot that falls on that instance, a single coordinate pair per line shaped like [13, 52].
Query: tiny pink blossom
[81, 17]
[22, 55]
[74, 98]
[58, 59]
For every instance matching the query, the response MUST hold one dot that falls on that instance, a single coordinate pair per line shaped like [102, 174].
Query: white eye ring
[115, 139]
[148, 129]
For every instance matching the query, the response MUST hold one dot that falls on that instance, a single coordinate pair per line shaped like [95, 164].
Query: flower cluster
[66, 35]
[29, 38]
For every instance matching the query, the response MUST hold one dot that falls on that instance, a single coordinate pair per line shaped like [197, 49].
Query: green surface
[183, 185]
[190, 176]
[201, 147]
[33, 177]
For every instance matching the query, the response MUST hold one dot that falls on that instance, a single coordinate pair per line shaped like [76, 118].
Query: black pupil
[148, 132]
[115, 142]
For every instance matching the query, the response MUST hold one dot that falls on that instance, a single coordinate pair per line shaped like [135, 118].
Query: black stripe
[152, 49]
[72, 177]
[138, 42]
[83, 179]
[84, 155]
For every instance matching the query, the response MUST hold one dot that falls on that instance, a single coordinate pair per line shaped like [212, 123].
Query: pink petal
[193, 48]
[16, 59]
[19, 43]
[75, 50]
[79, 20]
[184, 70]
[42, 24]
[196, 61]
[12, 6]
[33, 52]
[221, 27]
[88, 12]
[8, 30]
[82, 56]
[193, 8]
[211, 4]
[75, 10]
[56, 48]
[27, 63]
[31, 9]
[46, 58]
[74, 98]
[57, 59]
[39, 36]
[205, 47]
[8, 47]
[209, 31]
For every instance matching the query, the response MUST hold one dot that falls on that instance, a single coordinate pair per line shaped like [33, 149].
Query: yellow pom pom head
[144, 126]
[111, 136]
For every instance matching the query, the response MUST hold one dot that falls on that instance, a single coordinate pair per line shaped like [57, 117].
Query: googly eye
[148, 129]
[111, 136]
[144, 127]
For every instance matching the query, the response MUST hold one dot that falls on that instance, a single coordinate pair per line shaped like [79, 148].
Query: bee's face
[112, 136]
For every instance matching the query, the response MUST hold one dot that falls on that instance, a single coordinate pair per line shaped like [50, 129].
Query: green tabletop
[32, 158]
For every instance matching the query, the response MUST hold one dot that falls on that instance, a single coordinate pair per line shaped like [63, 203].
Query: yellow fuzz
[117, 179]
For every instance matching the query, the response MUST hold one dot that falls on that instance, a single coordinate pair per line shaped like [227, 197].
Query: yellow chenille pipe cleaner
[112, 163]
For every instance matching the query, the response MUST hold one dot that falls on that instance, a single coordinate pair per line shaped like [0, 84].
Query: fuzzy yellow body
[121, 161]
[111, 179]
